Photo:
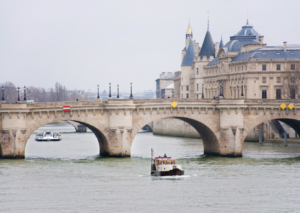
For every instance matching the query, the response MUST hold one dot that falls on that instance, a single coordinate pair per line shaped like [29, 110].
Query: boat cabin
[164, 160]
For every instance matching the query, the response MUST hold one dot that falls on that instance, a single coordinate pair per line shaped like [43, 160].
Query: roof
[247, 35]
[271, 52]
[170, 87]
[208, 47]
[221, 43]
[213, 62]
[188, 59]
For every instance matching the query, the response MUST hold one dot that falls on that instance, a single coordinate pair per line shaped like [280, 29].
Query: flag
[66, 108]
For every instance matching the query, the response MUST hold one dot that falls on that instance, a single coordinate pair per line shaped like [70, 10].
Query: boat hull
[173, 172]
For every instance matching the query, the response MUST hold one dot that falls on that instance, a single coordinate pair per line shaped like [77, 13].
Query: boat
[164, 166]
[48, 136]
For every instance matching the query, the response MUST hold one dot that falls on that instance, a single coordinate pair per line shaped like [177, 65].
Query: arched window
[197, 71]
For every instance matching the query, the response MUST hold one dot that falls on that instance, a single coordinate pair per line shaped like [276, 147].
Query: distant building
[165, 79]
[168, 91]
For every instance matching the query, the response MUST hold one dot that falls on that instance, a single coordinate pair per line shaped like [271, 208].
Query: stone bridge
[223, 124]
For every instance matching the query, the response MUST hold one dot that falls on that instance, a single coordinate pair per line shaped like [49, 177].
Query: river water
[69, 176]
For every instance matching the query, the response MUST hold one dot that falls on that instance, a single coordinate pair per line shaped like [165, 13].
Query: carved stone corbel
[137, 111]
[55, 114]
[206, 110]
[144, 111]
[192, 110]
[117, 111]
[48, 114]
[102, 112]
[184, 110]
[265, 111]
[124, 111]
[71, 113]
[237, 110]
[164, 110]
[214, 110]
[78, 113]
[249, 110]
[18, 114]
[177, 110]
[40, 114]
[24, 115]
[256, 110]
[272, 111]
[295, 111]
[228, 110]
[151, 111]
[94, 112]
[171, 110]
[32, 115]
[157, 110]
[279, 111]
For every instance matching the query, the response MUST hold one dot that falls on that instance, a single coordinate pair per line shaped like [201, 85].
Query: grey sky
[84, 43]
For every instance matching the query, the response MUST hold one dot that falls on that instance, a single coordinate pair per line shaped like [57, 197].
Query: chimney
[261, 39]
[217, 45]
[284, 46]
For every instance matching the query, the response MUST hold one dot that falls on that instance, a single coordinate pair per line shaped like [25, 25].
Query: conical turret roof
[188, 59]
[221, 43]
[208, 46]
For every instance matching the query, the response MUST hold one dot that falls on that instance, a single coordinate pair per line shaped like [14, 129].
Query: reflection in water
[69, 176]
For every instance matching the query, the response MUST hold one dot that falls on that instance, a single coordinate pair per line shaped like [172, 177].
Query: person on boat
[165, 155]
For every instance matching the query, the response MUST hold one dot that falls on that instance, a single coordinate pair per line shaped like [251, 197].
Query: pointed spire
[247, 22]
[221, 43]
[208, 46]
[188, 59]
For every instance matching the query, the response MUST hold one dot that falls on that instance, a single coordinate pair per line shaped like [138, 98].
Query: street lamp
[3, 99]
[202, 97]
[118, 92]
[131, 90]
[98, 96]
[242, 89]
[18, 93]
[109, 90]
[25, 99]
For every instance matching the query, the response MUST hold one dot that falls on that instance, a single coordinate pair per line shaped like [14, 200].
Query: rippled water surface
[69, 176]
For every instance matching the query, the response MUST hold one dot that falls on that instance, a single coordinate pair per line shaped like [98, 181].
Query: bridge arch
[290, 119]
[207, 129]
[99, 130]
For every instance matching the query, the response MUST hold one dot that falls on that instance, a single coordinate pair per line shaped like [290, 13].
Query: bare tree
[291, 82]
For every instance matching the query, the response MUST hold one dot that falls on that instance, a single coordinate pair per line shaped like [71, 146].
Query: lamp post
[98, 96]
[25, 99]
[118, 92]
[3, 99]
[131, 90]
[109, 90]
[242, 89]
[202, 97]
[18, 93]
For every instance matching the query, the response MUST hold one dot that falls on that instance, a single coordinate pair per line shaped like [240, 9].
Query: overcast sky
[84, 43]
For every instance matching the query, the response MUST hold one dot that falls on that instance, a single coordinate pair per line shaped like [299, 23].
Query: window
[197, 96]
[197, 87]
[293, 94]
[264, 94]
[264, 79]
[278, 67]
[278, 80]
[197, 71]
[182, 88]
[187, 95]
[292, 66]
[264, 67]
[278, 93]
[168, 162]
[172, 161]
[187, 88]
[293, 79]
